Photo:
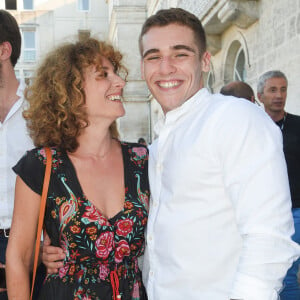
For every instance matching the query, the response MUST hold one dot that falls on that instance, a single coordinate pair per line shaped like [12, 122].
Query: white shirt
[220, 216]
[14, 141]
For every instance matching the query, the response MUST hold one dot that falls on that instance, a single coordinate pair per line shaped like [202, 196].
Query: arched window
[240, 66]
[209, 78]
[210, 82]
[235, 64]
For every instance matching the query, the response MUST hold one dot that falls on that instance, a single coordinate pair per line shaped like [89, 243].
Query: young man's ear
[5, 51]
[205, 61]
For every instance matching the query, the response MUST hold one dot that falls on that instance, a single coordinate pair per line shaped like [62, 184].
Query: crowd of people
[210, 210]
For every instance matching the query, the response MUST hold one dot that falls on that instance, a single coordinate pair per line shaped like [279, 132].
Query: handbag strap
[42, 214]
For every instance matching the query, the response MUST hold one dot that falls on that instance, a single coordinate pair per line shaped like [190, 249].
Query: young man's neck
[8, 91]
[276, 116]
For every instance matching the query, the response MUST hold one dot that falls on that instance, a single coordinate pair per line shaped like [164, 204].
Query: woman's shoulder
[138, 153]
[36, 157]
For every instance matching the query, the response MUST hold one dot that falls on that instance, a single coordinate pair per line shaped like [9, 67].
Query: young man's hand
[51, 256]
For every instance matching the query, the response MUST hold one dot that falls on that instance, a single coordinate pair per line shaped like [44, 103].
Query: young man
[220, 223]
[272, 92]
[14, 140]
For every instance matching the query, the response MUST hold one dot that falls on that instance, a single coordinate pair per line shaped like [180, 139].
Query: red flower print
[53, 214]
[75, 229]
[63, 271]
[144, 221]
[139, 213]
[74, 254]
[121, 251]
[73, 245]
[132, 247]
[128, 205]
[136, 291]
[124, 227]
[92, 215]
[91, 230]
[72, 270]
[104, 244]
[140, 151]
[103, 272]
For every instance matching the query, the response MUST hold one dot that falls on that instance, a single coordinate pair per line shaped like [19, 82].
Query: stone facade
[248, 37]
[245, 37]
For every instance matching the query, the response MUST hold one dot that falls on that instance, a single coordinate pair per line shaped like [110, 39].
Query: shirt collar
[173, 115]
[19, 102]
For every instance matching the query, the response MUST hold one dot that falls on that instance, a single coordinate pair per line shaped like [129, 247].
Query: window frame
[23, 56]
[236, 72]
[80, 6]
[15, 7]
[27, 9]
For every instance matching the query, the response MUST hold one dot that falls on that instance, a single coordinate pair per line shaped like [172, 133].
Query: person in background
[97, 203]
[272, 92]
[220, 220]
[142, 141]
[238, 89]
[13, 132]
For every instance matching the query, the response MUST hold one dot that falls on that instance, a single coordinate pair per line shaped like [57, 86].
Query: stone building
[245, 37]
[46, 23]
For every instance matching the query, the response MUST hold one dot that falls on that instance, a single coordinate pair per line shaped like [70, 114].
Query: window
[236, 62]
[10, 4]
[210, 81]
[239, 66]
[84, 5]
[27, 4]
[29, 48]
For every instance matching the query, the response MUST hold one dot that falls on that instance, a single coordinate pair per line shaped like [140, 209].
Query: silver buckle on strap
[6, 232]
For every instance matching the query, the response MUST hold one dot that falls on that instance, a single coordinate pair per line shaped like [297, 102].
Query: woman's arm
[21, 241]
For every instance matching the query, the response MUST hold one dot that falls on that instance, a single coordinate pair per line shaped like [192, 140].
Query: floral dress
[101, 254]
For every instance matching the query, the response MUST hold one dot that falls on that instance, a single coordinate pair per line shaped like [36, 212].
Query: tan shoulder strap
[42, 214]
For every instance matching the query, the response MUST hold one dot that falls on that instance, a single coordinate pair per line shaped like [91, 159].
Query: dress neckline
[112, 219]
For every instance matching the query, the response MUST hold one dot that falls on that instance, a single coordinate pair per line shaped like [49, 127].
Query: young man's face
[274, 95]
[171, 64]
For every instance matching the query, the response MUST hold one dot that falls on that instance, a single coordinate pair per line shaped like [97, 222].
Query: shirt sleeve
[31, 169]
[256, 181]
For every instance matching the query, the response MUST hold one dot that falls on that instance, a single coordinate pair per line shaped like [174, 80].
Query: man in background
[238, 89]
[14, 140]
[272, 92]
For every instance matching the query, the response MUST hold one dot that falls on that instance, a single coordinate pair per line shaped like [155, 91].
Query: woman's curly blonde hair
[57, 113]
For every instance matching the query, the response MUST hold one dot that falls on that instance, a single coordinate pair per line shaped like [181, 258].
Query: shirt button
[158, 167]
[154, 203]
[151, 273]
[150, 238]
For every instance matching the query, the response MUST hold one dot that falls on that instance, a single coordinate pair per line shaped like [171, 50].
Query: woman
[98, 195]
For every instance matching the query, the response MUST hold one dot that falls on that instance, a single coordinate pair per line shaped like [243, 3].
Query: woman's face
[103, 90]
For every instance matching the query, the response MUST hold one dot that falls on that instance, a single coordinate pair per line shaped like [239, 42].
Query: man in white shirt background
[220, 220]
[14, 140]
[220, 216]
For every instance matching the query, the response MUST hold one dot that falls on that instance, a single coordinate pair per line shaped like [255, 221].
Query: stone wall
[268, 31]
